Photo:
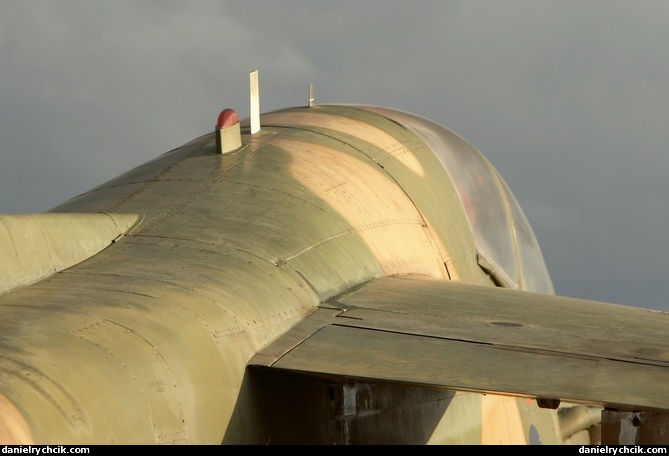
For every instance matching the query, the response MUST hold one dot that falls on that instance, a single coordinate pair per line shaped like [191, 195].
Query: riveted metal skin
[176, 332]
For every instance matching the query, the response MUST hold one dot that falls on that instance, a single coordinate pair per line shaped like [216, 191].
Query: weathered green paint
[34, 246]
[465, 337]
[148, 340]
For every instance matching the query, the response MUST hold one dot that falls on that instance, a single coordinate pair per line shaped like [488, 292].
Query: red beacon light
[227, 118]
[228, 133]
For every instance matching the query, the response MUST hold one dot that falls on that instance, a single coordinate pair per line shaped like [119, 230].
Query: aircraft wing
[432, 332]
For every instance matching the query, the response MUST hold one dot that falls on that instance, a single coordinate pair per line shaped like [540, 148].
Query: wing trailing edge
[422, 331]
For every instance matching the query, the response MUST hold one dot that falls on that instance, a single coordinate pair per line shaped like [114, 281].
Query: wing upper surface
[434, 332]
[34, 246]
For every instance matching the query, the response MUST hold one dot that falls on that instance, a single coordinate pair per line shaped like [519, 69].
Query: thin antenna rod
[255, 102]
[311, 95]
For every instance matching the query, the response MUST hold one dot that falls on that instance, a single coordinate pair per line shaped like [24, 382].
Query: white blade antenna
[255, 102]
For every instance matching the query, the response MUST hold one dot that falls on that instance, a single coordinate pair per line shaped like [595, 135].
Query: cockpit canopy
[507, 247]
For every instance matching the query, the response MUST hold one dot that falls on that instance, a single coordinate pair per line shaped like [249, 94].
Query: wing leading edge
[431, 332]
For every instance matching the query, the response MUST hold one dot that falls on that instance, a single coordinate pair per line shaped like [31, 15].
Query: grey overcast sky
[569, 100]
